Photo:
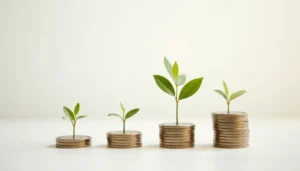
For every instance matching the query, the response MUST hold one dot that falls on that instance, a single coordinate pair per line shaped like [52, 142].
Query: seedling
[227, 95]
[165, 85]
[124, 116]
[73, 116]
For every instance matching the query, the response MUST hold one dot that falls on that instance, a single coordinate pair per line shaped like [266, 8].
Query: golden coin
[232, 113]
[177, 126]
[124, 142]
[127, 133]
[229, 117]
[78, 138]
[231, 144]
[71, 146]
[176, 138]
[176, 147]
[232, 138]
[124, 147]
[230, 121]
[241, 123]
[230, 127]
[176, 143]
[232, 130]
[176, 135]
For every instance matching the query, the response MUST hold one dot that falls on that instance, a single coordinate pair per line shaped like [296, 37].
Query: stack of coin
[78, 141]
[177, 135]
[231, 130]
[129, 139]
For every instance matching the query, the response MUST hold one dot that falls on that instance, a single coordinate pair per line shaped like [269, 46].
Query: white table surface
[28, 145]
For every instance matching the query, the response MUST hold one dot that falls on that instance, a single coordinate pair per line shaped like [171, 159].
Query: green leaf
[80, 117]
[69, 113]
[164, 84]
[168, 66]
[181, 80]
[65, 118]
[221, 93]
[175, 72]
[226, 89]
[237, 94]
[112, 114]
[131, 113]
[122, 107]
[190, 88]
[76, 109]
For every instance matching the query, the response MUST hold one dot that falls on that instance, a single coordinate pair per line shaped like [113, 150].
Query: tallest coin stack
[231, 130]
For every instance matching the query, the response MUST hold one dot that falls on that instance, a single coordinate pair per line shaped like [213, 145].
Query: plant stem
[123, 126]
[176, 99]
[228, 107]
[74, 125]
[177, 113]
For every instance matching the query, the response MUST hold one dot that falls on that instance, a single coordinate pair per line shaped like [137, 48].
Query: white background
[98, 53]
[55, 53]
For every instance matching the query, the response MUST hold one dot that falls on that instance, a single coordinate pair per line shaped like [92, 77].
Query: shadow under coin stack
[78, 142]
[231, 130]
[131, 139]
[177, 136]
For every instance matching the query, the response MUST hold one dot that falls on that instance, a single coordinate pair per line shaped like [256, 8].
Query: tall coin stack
[69, 142]
[231, 130]
[131, 139]
[177, 136]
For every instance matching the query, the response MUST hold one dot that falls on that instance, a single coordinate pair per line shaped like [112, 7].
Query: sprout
[226, 95]
[124, 116]
[72, 116]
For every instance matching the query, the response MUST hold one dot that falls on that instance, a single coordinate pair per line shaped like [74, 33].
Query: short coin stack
[69, 142]
[177, 136]
[231, 130]
[117, 139]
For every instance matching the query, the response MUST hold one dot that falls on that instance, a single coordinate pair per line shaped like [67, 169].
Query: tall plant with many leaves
[178, 80]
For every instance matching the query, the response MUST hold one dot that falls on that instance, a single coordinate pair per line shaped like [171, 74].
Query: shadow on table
[51, 146]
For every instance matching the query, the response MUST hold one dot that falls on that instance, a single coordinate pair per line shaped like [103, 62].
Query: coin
[69, 138]
[230, 130]
[178, 136]
[231, 146]
[129, 139]
[124, 146]
[78, 141]
[177, 146]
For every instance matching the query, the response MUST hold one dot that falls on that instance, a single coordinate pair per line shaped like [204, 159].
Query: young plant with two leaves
[226, 95]
[125, 115]
[72, 116]
[178, 80]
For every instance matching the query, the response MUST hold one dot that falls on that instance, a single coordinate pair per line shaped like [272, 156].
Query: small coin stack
[231, 130]
[69, 142]
[176, 136]
[117, 139]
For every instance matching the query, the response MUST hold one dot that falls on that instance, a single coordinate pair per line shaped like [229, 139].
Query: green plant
[165, 85]
[227, 95]
[73, 116]
[124, 116]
